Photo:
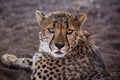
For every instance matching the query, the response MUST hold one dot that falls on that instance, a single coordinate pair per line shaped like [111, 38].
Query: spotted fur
[66, 51]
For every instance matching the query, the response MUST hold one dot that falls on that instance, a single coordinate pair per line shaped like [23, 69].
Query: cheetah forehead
[60, 13]
[60, 16]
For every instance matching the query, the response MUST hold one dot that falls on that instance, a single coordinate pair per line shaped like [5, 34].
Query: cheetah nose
[59, 46]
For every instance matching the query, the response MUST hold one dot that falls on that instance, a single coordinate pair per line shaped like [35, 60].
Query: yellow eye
[70, 31]
[51, 30]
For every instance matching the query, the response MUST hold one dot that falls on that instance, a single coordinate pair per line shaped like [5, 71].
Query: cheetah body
[66, 51]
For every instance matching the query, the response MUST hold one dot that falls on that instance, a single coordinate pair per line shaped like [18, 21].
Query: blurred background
[19, 29]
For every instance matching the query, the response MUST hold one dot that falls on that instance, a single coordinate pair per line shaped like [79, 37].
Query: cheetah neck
[87, 50]
[82, 48]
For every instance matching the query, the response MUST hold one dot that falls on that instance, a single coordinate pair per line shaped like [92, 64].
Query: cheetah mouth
[58, 53]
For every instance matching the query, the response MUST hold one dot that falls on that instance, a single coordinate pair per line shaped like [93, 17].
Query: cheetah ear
[81, 19]
[40, 17]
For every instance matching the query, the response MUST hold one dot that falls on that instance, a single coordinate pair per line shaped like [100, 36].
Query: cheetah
[66, 51]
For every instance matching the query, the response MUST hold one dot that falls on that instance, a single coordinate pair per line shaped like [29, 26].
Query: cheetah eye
[51, 30]
[70, 31]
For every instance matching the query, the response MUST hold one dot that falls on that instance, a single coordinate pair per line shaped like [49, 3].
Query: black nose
[59, 46]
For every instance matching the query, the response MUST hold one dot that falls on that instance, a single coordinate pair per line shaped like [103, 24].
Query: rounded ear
[81, 19]
[40, 17]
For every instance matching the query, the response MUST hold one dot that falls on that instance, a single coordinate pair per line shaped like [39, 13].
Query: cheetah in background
[66, 51]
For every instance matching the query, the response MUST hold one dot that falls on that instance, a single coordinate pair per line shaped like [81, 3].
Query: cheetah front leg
[12, 61]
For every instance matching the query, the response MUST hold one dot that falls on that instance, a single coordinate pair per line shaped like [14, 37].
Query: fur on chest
[70, 67]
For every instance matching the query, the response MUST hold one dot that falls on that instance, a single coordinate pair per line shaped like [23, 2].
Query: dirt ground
[19, 29]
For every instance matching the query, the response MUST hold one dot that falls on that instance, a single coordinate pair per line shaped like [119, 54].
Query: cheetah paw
[8, 59]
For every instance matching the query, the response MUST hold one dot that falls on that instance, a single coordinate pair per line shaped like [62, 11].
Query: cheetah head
[59, 32]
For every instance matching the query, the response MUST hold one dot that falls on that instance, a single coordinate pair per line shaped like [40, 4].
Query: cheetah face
[59, 32]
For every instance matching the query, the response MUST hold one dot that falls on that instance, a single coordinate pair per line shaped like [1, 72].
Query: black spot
[43, 66]
[38, 67]
[30, 63]
[51, 64]
[68, 69]
[54, 67]
[40, 57]
[35, 63]
[34, 78]
[48, 59]
[59, 74]
[45, 71]
[38, 61]
[44, 78]
[38, 73]
[40, 76]
[57, 62]
[23, 61]
[51, 73]
[41, 70]
[50, 78]
[51, 68]
[55, 76]
[47, 62]
[64, 76]
[47, 75]
[59, 65]
[52, 60]
[57, 70]
[28, 60]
